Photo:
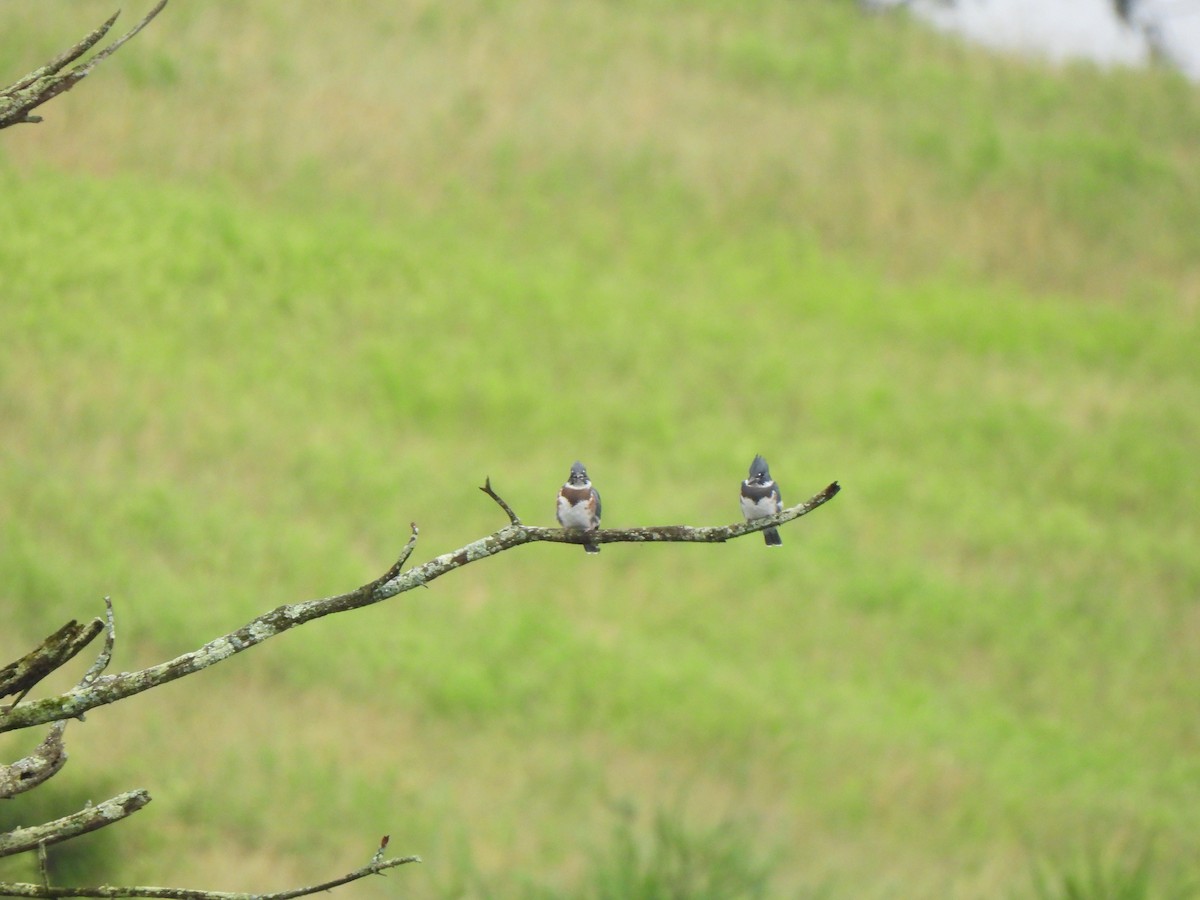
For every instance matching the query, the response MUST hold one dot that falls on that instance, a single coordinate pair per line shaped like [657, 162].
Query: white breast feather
[577, 516]
[764, 507]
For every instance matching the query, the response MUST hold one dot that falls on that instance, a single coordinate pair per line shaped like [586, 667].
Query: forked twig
[487, 489]
[48, 81]
[398, 565]
[104, 657]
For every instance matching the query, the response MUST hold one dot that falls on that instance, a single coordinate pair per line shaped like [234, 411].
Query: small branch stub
[104, 657]
[487, 489]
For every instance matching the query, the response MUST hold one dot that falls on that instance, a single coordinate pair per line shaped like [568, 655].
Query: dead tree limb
[106, 689]
[18, 677]
[39, 766]
[90, 818]
[51, 755]
[22, 889]
[48, 81]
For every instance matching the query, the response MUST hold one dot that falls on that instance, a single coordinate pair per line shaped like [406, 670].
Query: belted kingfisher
[760, 497]
[579, 504]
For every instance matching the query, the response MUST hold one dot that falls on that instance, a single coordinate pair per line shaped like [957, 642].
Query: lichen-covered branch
[24, 889]
[51, 755]
[39, 766]
[104, 657]
[48, 81]
[716, 534]
[110, 688]
[87, 819]
[96, 688]
[18, 677]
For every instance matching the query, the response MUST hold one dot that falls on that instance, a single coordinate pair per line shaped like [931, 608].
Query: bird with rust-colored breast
[760, 498]
[579, 504]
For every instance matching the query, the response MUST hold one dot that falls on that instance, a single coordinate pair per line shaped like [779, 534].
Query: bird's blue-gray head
[578, 475]
[759, 473]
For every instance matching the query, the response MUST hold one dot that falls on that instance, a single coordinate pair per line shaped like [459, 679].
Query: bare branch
[717, 534]
[39, 766]
[21, 889]
[398, 565]
[67, 56]
[487, 489]
[44, 865]
[87, 819]
[110, 688]
[46, 82]
[50, 756]
[96, 689]
[18, 677]
[377, 856]
[104, 657]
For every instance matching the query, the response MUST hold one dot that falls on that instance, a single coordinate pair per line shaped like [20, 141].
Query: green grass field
[281, 278]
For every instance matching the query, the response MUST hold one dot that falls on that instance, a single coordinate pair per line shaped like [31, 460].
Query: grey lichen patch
[487, 546]
[437, 564]
[260, 631]
[294, 611]
[111, 810]
[221, 648]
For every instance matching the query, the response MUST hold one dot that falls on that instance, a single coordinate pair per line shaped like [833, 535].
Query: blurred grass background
[281, 278]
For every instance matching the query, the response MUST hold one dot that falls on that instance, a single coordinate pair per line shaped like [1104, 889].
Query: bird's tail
[771, 536]
[592, 548]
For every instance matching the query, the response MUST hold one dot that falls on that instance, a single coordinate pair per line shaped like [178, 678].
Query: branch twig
[67, 56]
[46, 82]
[44, 865]
[24, 889]
[87, 819]
[39, 766]
[56, 650]
[487, 489]
[50, 755]
[399, 563]
[110, 688]
[104, 657]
